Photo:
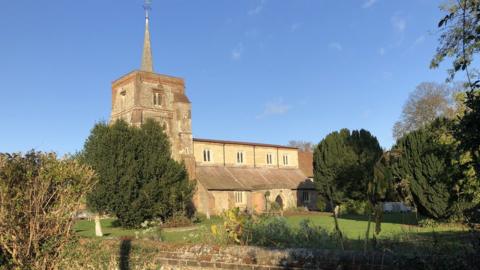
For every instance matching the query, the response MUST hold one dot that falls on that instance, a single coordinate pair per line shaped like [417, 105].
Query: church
[228, 174]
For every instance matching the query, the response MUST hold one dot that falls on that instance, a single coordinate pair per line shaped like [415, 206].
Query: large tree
[460, 41]
[430, 168]
[343, 164]
[138, 179]
[426, 103]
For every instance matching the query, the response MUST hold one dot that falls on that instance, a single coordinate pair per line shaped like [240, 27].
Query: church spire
[147, 61]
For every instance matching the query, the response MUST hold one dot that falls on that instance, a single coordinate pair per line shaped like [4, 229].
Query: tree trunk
[335, 210]
[98, 226]
[367, 234]
[337, 228]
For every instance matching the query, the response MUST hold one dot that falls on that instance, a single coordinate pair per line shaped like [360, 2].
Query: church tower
[143, 94]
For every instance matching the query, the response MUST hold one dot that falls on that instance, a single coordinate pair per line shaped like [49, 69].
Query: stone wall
[145, 254]
[224, 154]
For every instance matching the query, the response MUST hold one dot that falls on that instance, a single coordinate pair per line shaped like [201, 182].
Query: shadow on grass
[125, 248]
[115, 224]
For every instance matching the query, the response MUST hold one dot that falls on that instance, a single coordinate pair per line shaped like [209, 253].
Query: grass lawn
[352, 226]
[86, 228]
[393, 225]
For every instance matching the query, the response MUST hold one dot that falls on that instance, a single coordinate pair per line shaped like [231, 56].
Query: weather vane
[147, 6]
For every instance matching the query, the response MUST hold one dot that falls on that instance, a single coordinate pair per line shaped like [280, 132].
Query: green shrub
[269, 231]
[311, 236]
[177, 220]
[39, 195]
[428, 223]
[276, 232]
[354, 207]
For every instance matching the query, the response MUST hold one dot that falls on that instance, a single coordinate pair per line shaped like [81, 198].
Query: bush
[243, 228]
[276, 232]
[271, 232]
[428, 223]
[39, 195]
[177, 220]
[354, 207]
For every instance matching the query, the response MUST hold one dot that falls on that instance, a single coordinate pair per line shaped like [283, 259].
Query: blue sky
[256, 70]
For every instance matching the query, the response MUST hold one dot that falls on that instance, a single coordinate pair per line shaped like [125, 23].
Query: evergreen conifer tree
[138, 178]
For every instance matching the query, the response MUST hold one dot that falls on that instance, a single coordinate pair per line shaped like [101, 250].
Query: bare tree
[427, 102]
[302, 145]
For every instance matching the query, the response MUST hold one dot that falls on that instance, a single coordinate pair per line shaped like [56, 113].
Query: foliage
[468, 129]
[439, 254]
[460, 34]
[177, 220]
[321, 204]
[354, 207]
[39, 195]
[240, 227]
[343, 164]
[428, 167]
[276, 232]
[428, 223]
[425, 165]
[138, 178]
[271, 232]
[234, 224]
[428, 102]
[460, 40]
[379, 187]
